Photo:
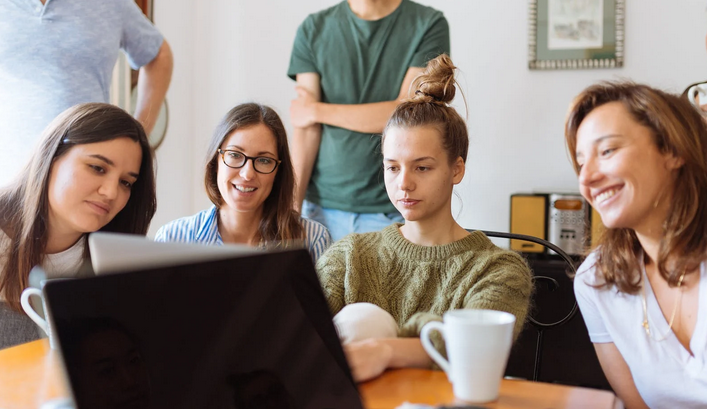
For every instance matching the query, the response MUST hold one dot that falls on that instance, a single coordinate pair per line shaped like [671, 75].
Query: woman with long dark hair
[250, 181]
[641, 157]
[93, 170]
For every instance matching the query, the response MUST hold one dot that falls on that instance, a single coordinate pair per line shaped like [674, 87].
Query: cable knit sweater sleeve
[331, 269]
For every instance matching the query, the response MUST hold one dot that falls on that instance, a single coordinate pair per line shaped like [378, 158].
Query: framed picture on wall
[575, 34]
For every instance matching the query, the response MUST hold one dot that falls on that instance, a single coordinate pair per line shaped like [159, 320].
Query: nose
[247, 171]
[406, 181]
[589, 174]
[109, 188]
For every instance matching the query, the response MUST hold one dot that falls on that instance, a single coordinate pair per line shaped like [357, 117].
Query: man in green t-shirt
[353, 63]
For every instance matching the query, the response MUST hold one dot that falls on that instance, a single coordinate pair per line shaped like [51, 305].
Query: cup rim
[500, 317]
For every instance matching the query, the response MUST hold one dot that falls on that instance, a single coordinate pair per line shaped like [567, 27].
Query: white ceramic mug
[43, 323]
[478, 344]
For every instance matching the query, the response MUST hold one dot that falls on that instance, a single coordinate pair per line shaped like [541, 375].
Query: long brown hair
[434, 90]
[677, 129]
[24, 205]
[280, 223]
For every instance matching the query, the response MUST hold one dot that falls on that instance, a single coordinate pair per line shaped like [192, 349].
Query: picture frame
[575, 34]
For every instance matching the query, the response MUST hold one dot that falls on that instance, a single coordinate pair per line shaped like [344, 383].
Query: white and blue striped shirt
[203, 228]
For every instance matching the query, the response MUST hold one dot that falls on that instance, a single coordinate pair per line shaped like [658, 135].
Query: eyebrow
[259, 153]
[414, 160]
[111, 163]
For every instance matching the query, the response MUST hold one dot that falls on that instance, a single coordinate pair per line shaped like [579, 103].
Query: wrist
[317, 108]
[387, 352]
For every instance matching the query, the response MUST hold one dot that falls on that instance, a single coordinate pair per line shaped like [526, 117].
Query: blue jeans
[341, 223]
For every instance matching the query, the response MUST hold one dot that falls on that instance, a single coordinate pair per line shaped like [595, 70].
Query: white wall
[175, 19]
[232, 51]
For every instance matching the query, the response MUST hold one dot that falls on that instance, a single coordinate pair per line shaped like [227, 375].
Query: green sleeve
[331, 269]
[505, 285]
[302, 58]
[434, 42]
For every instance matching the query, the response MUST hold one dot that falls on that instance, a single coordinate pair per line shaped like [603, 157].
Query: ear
[458, 170]
[673, 162]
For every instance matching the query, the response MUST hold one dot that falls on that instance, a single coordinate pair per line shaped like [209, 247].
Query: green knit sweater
[417, 284]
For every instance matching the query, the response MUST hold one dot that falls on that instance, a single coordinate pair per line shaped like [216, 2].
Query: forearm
[364, 118]
[304, 149]
[407, 353]
[153, 82]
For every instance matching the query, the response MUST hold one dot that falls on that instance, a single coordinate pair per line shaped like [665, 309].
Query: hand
[368, 358]
[302, 109]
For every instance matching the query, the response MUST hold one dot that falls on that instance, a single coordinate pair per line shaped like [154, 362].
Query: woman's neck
[433, 232]
[58, 242]
[239, 227]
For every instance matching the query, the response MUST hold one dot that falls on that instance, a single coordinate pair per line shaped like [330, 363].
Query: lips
[245, 189]
[99, 207]
[605, 194]
[407, 202]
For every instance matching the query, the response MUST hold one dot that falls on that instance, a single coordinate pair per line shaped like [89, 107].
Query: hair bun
[436, 84]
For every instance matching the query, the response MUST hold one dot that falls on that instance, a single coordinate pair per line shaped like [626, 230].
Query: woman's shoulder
[187, 228]
[358, 243]
[587, 272]
[313, 228]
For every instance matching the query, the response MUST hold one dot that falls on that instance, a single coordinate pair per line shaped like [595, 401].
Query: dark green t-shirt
[361, 61]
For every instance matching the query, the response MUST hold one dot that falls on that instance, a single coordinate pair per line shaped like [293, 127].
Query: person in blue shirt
[250, 181]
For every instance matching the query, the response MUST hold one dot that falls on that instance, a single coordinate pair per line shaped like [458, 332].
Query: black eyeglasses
[236, 160]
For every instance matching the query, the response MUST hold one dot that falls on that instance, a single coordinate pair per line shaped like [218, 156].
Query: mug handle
[430, 349]
[24, 300]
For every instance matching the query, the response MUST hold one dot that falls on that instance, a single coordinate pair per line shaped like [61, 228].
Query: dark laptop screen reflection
[107, 364]
[253, 332]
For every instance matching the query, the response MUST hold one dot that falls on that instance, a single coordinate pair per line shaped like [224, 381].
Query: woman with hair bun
[385, 286]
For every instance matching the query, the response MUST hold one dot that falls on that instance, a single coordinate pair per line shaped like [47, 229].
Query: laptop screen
[247, 332]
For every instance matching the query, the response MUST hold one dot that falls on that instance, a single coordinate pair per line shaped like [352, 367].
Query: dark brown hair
[24, 205]
[677, 129]
[434, 90]
[280, 223]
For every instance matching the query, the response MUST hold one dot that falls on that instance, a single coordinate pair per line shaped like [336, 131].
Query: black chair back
[555, 346]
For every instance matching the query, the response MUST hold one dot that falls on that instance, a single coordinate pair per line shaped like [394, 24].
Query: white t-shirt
[665, 373]
[60, 265]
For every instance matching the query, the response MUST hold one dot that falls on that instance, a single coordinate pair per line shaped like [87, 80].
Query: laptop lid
[243, 332]
[114, 252]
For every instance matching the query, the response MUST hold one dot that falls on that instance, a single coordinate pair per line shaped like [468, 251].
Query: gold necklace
[678, 301]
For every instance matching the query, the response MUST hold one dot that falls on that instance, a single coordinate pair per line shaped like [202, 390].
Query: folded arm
[305, 139]
[308, 110]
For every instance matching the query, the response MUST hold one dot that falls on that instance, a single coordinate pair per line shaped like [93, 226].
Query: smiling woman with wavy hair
[641, 157]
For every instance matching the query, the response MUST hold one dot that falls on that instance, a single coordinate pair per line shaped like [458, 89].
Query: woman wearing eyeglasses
[250, 181]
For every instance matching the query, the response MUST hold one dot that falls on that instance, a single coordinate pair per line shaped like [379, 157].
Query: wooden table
[30, 374]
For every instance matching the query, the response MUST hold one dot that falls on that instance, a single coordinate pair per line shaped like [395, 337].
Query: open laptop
[245, 331]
